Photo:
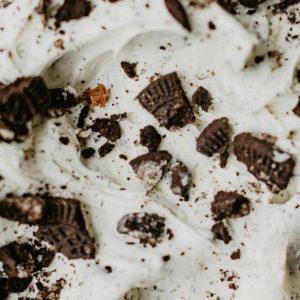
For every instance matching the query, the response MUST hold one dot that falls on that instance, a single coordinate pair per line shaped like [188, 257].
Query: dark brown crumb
[236, 254]
[129, 68]
[64, 140]
[105, 149]
[88, 152]
[166, 258]
[202, 98]
[150, 138]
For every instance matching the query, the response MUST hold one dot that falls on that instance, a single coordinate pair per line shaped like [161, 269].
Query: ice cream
[178, 132]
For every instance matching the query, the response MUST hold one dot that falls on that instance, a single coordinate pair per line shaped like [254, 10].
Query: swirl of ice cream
[247, 61]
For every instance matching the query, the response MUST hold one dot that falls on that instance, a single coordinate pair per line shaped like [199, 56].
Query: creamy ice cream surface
[149, 149]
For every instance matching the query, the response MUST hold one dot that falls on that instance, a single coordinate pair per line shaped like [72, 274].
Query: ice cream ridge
[149, 149]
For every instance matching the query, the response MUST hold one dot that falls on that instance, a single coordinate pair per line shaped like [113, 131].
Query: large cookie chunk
[166, 100]
[264, 160]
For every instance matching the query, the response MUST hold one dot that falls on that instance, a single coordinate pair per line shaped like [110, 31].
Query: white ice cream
[254, 97]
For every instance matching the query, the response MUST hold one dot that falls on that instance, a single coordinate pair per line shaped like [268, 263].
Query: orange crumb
[99, 95]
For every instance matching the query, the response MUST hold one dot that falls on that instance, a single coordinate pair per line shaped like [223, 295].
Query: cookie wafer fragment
[22, 260]
[108, 128]
[165, 99]
[148, 228]
[63, 227]
[177, 11]
[180, 180]
[151, 167]
[230, 205]
[13, 285]
[71, 10]
[105, 149]
[129, 68]
[150, 138]
[20, 101]
[214, 139]
[25, 210]
[264, 160]
[202, 98]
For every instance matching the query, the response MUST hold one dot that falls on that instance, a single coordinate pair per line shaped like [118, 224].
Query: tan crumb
[98, 96]
[59, 44]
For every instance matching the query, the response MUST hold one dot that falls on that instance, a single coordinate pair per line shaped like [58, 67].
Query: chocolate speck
[64, 140]
[88, 152]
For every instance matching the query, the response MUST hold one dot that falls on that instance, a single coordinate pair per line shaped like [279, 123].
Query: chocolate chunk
[108, 128]
[251, 3]
[150, 138]
[228, 5]
[51, 292]
[148, 228]
[296, 109]
[151, 167]
[129, 68]
[177, 11]
[166, 100]
[236, 254]
[82, 116]
[22, 260]
[64, 140]
[180, 180]
[118, 117]
[72, 10]
[264, 160]
[68, 239]
[105, 149]
[214, 139]
[88, 152]
[62, 210]
[202, 98]
[25, 210]
[63, 226]
[20, 101]
[230, 205]
[221, 232]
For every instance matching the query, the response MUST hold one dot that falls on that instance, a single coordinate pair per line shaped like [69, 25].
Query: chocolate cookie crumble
[264, 160]
[230, 205]
[150, 138]
[148, 228]
[202, 98]
[178, 12]
[151, 167]
[165, 99]
[129, 69]
[214, 139]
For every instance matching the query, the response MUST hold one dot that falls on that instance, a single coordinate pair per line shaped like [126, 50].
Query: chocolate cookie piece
[68, 239]
[72, 10]
[82, 116]
[25, 210]
[251, 3]
[177, 11]
[129, 68]
[264, 160]
[151, 167]
[63, 211]
[22, 260]
[166, 100]
[20, 101]
[180, 180]
[63, 226]
[13, 285]
[148, 228]
[150, 138]
[220, 232]
[230, 205]
[284, 5]
[214, 139]
[202, 98]
[105, 149]
[88, 152]
[108, 128]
